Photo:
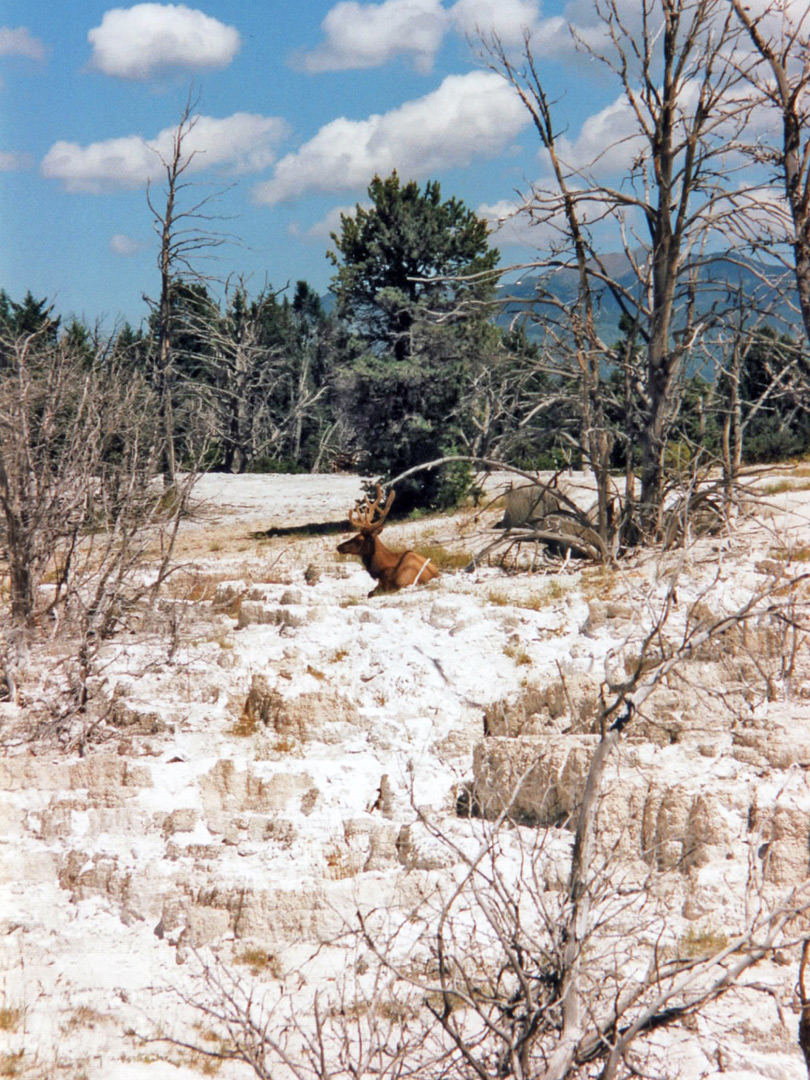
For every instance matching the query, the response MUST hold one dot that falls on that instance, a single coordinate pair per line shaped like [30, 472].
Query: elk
[391, 570]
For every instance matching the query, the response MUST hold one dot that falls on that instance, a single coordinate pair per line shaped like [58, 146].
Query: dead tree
[673, 72]
[781, 39]
[185, 234]
[80, 446]
[255, 383]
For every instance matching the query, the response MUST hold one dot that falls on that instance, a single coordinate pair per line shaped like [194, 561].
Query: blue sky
[300, 104]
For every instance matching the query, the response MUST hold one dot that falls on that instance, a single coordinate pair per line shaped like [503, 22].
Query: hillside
[273, 753]
[721, 280]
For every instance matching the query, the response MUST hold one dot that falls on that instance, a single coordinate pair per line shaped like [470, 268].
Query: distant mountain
[720, 282]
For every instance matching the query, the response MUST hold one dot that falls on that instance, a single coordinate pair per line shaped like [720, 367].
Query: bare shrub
[79, 506]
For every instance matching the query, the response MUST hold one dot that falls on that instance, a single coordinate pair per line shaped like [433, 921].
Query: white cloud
[751, 212]
[468, 116]
[608, 140]
[20, 42]
[367, 35]
[552, 36]
[240, 143]
[508, 18]
[322, 230]
[136, 42]
[363, 35]
[125, 246]
[526, 224]
[509, 223]
[11, 161]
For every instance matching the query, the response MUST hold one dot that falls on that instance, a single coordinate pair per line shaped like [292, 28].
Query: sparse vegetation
[284, 745]
[444, 558]
[84, 1017]
[700, 942]
[779, 487]
[798, 554]
[477, 850]
[337, 865]
[256, 799]
[246, 727]
[10, 1018]
[12, 1064]
[532, 601]
[260, 962]
[518, 654]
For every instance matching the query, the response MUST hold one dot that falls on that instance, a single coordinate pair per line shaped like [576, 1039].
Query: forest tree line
[410, 359]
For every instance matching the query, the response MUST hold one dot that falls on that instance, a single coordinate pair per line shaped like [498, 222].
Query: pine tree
[415, 275]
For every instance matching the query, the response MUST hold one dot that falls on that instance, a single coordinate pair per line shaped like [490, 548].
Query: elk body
[391, 570]
[527, 504]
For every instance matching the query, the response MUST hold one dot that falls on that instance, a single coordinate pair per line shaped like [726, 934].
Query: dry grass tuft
[260, 962]
[598, 583]
[796, 555]
[84, 1017]
[246, 727]
[10, 1019]
[338, 865]
[518, 654]
[443, 559]
[779, 487]
[12, 1064]
[533, 601]
[697, 943]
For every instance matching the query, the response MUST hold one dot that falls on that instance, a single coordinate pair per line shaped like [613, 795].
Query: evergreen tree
[773, 397]
[414, 278]
[31, 316]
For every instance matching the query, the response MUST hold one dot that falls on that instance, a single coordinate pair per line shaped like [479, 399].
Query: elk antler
[362, 516]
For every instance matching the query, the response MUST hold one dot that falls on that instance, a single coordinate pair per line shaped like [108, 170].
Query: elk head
[391, 570]
[362, 518]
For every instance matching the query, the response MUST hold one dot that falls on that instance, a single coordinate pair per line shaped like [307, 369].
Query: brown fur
[392, 570]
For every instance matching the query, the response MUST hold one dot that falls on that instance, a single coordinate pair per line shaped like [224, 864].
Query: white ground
[294, 825]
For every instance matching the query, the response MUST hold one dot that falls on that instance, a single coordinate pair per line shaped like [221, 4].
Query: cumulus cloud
[367, 35]
[552, 36]
[608, 140]
[755, 212]
[137, 42]
[508, 223]
[468, 116]
[241, 143]
[525, 225]
[364, 35]
[20, 42]
[508, 18]
[11, 161]
[125, 246]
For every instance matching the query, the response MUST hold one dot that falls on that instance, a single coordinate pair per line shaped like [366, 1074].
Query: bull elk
[391, 570]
